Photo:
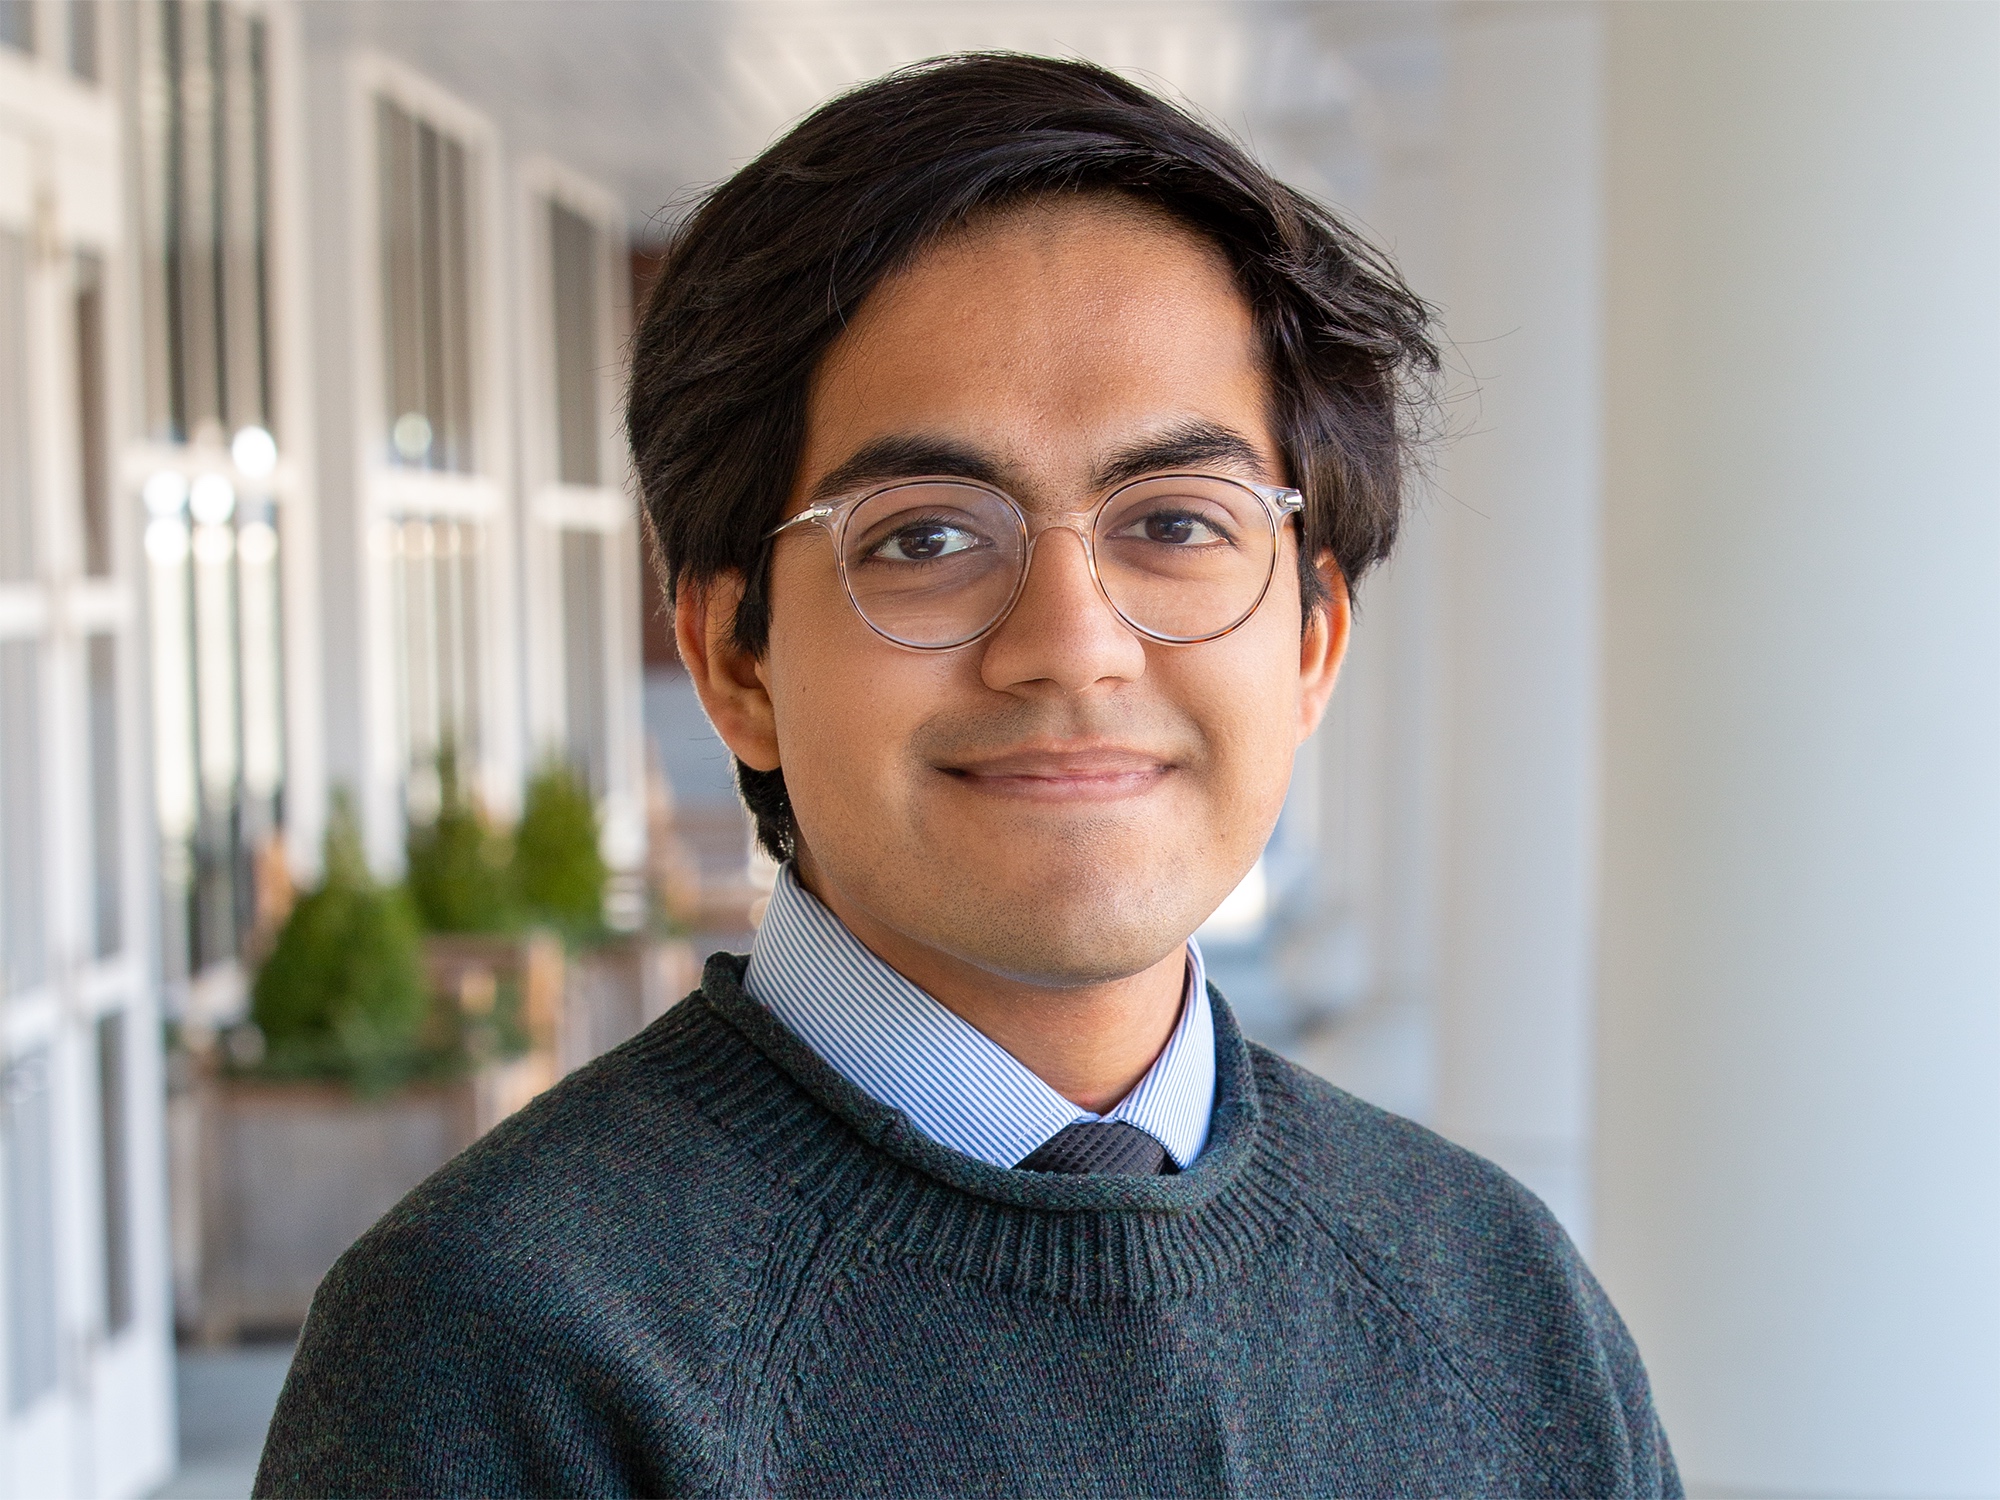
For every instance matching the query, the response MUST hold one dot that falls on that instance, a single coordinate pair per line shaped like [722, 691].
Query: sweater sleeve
[1491, 1284]
[1650, 1460]
[1517, 1314]
[414, 1377]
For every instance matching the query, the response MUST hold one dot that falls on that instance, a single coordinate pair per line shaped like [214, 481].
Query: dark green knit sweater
[706, 1264]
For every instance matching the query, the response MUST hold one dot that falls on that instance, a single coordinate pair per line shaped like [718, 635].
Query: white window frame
[220, 991]
[389, 492]
[552, 507]
[105, 1427]
[296, 483]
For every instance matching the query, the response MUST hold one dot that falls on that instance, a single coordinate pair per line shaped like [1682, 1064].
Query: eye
[1174, 528]
[924, 541]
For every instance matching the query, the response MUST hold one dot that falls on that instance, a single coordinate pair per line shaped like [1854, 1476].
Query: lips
[1092, 773]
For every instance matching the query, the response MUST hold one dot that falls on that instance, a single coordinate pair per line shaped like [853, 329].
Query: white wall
[326, 207]
[1798, 1173]
[1517, 506]
[1374, 766]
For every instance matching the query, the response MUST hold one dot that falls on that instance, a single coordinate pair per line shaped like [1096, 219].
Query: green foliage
[343, 994]
[557, 867]
[458, 874]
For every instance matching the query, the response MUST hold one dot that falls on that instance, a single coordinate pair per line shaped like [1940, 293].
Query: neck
[1091, 1043]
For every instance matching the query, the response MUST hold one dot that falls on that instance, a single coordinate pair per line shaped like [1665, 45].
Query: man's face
[1063, 801]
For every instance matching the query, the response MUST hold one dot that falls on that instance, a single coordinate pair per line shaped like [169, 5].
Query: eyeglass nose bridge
[1081, 523]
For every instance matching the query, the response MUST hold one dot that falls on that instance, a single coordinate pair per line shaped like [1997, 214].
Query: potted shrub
[504, 977]
[349, 1085]
[617, 981]
[342, 993]
[558, 868]
[458, 863]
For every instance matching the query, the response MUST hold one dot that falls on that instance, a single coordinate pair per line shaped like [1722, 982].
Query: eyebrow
[1187, 445]
[887, 459]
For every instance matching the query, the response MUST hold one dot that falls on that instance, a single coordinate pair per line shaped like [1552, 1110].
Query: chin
[1069, 921]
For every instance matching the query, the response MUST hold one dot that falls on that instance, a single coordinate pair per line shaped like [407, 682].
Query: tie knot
[1099, 1146]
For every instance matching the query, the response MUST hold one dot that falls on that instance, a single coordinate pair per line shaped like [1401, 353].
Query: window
[17, 480]
[222, 603]
[439, 542]
[574, 259]
[93, 436]
[218, 702]
[23, 936]
[435, 569]
[107, 821]
[114, 1179]
[205, 171]
[426, 286]
[17, 24]
[27, 1155]
[582, 567]
[82, 173]
[214, 503]
[586, 692]
[83, 59]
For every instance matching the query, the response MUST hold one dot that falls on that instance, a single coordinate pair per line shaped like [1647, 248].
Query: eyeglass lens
[1181, 558]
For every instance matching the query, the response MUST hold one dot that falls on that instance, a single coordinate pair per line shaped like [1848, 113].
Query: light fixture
[166, 492]
[166, 541]
[257, 544]
[212, 499]
[255, 452]
[214, 545]
[411, 436]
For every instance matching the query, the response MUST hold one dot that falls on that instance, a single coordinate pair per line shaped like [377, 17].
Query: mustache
[956, 737]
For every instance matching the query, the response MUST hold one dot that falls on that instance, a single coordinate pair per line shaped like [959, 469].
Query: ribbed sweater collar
[873, 1175]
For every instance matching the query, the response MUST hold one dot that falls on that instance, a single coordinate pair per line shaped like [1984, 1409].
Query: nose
[1061, 633]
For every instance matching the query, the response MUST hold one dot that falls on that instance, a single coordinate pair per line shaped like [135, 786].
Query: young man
[1012, 442]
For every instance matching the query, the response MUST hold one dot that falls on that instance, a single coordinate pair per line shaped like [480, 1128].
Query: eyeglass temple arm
[813, 513]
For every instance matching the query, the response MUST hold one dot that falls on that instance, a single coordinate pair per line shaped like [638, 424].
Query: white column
[1375, 765]
[1798, 1157]
[1517, 501]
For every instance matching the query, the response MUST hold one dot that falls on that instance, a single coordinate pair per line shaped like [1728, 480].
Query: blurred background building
[1652, 847]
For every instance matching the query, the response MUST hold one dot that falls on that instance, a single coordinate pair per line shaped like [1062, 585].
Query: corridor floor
[226, 1397]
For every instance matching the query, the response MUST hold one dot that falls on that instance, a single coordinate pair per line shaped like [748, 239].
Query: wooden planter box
[615, 989]
[285, 1177]
[273, 1180]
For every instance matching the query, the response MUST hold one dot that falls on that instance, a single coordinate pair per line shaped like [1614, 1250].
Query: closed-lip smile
[1085, 773]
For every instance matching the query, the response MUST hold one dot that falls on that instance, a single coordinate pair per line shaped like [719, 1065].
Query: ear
[728, 679]
[1323, 645]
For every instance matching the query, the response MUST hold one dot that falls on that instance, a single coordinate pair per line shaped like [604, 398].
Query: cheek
[1247, 697]
[837, 715]
[845, 702]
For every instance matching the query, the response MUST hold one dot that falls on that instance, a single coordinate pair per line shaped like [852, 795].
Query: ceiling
[657, 98]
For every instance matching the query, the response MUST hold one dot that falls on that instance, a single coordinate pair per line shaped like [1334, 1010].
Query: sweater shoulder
[614, 1185]
[1385, 1175]
[623, 1154]
[1477, 1264]
[585, 1262]
[1416, 1209]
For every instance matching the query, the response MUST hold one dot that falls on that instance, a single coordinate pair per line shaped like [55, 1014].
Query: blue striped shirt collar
[892, 1041]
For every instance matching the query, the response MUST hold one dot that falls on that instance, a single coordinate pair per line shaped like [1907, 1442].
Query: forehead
[1044, 337]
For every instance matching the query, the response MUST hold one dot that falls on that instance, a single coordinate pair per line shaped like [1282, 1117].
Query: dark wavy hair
[762, 276]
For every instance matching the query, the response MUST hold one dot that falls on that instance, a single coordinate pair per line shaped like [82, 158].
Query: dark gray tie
[1100, 1146]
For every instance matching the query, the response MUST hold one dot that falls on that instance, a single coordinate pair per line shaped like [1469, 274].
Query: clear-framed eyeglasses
[936, 563]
